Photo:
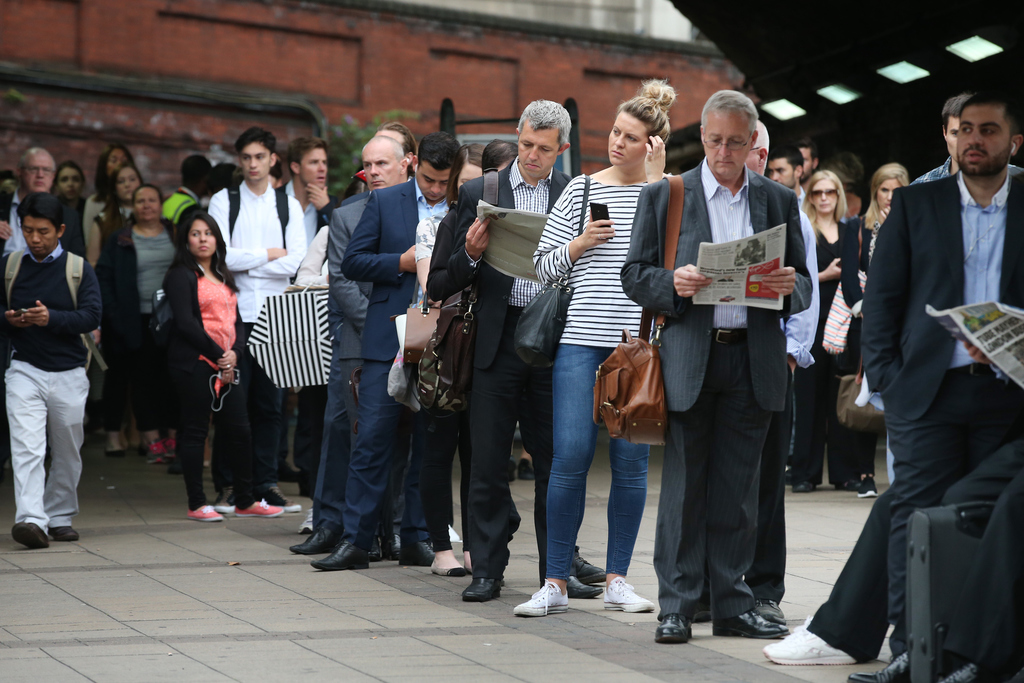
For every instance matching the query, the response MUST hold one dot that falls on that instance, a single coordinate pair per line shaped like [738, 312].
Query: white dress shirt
[17, 239]
[256, 230]
[801, 327]
[730, 220]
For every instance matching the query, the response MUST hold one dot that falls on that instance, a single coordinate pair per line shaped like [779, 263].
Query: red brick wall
[347, 61]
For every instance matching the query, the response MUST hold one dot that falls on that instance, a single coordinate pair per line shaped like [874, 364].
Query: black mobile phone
[598, 212]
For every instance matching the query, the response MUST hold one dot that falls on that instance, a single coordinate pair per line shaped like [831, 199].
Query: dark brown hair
[467, 154]
[104, 183]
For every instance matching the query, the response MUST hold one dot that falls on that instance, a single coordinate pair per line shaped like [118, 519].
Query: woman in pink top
[202, 354]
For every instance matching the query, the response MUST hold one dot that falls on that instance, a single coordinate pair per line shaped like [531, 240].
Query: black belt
[974, 369]
[729, 336]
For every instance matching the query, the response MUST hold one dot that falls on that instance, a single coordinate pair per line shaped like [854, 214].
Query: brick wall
[346, 60]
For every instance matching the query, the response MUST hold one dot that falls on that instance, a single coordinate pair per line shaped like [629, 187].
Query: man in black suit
[947, 243]
[500, 378]
[720, 388]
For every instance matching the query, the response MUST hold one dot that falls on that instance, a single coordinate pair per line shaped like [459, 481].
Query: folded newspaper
[514, 236]
[995, 328]
[737, 270]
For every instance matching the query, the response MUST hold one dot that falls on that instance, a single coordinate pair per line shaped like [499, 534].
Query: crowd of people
[751, 393]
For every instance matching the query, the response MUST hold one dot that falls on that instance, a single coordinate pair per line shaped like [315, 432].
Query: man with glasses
[720, 389]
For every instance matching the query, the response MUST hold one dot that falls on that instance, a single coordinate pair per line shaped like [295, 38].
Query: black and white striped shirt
[599, 309]
[528, 198]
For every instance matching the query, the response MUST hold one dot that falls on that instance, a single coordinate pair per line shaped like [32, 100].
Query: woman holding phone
[598, 312]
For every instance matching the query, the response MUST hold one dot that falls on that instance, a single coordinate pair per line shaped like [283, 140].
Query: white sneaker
[548, 600]
[453, 535]
[307, 526]
[803, 648]
[620, 596]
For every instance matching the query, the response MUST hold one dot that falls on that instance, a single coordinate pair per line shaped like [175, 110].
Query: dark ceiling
[791, 49]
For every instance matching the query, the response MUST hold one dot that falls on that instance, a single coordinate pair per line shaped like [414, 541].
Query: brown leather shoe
[30, 535]
[63, 533]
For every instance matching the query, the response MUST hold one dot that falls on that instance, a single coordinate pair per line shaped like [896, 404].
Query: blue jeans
[575, 439]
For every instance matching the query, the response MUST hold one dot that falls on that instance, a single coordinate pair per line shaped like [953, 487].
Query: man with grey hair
[505, 389]
[721, 389]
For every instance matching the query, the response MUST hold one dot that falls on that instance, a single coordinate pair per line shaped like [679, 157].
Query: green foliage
[12, 96]
[346, 146]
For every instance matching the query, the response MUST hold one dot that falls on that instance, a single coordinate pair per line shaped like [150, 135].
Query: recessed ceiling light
[839, 94]
[903, 72]
[783, 110]
[974, 49]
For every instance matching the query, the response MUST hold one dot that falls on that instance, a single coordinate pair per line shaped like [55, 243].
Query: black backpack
[235, 205]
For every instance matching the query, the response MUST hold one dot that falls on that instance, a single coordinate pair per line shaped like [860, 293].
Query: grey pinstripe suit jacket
[348, 298]
[686, 340]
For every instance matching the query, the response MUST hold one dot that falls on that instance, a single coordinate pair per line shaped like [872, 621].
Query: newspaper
[514, 236]
[995, 328]
[737, 269]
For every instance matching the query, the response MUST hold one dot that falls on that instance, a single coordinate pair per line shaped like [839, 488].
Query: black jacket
[72, 240]
[189, 339]
[117, 271]
[440, 285]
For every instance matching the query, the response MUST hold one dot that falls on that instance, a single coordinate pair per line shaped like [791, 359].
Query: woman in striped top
[598, 312]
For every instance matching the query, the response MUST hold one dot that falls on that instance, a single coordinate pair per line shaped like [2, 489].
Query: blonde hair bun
[658, 91]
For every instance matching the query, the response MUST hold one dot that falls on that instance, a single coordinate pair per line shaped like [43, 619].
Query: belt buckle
[718, 336]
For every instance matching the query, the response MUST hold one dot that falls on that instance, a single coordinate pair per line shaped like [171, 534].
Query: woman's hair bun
[660, 92]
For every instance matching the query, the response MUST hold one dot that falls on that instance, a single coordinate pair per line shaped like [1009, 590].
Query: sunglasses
[818, 194]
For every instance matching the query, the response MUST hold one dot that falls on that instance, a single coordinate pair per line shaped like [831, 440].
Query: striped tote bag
[837, 325]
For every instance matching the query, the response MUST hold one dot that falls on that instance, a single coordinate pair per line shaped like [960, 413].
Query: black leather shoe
[969, 673]
[391, 547]
[63, 533]
[29, 535]
[748, 625]
[575, 588]
[586, 572]
[345, 556]
[674, 628]
[419, 554]
[482, 590]
[526, 472]
[898, 671]
[323, 540]
[703, 614]
[375, 554]
[770, 610]
[803, 487]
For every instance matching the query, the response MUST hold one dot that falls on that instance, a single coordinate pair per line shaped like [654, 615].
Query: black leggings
[444, 436]
[231, 423]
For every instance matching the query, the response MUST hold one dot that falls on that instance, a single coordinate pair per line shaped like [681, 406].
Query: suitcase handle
[972, 518]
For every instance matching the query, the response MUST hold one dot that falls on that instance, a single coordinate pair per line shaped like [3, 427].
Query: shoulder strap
[234, 205]
[73, 273]
[583, 207]
[282, 214]
[491, 186]
[673, 226]
[11, 272]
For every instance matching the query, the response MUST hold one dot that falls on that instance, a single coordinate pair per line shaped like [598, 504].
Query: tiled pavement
[147, 595]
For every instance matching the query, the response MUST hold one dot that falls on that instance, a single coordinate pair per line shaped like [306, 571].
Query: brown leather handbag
[419, 327]
[629, 392]
[445, 372]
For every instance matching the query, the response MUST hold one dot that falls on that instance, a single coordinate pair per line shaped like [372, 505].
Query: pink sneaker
[156, 454]
[260, 509]
[205, 514]
[170, 445]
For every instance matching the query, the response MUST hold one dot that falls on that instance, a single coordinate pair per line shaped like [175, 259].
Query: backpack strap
[234, 205]
[73, 270]
[282, 214]
[11, 272]
[491, 186]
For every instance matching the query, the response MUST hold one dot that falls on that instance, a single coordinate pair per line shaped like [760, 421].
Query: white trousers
[44, 404]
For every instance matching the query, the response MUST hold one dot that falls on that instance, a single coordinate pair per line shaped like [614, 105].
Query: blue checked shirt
[936, 173]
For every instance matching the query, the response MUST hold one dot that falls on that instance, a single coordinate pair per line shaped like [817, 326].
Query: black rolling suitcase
[941, 547]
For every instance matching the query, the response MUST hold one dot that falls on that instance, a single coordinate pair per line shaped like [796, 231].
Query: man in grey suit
[725, 372]
[385, 165]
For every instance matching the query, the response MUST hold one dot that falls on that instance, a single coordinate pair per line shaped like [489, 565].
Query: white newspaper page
[995, 328]
[514, 236]
[737, 269]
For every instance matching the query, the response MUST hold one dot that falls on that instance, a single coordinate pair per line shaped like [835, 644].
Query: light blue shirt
[308, 216]
[49, 258]
[801, 327]
[984, 231]
[425, 210]
[730, 220]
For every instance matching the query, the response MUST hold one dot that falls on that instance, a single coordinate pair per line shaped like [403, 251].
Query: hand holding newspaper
[997, 329]
[737, 268]
[514, 236]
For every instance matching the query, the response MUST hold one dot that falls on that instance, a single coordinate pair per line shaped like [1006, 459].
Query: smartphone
[22, 311]
[598, 212]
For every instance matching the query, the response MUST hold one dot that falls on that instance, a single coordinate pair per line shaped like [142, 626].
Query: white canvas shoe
[803, 648]
[620, 596]
[548, 600]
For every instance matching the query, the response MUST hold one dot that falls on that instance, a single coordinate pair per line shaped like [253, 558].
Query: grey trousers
[709, 491]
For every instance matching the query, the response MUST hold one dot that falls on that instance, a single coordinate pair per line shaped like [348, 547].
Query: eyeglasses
[818, 194]
[39, 170]
[732, 145]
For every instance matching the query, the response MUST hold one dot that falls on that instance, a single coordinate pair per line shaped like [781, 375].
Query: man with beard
[947, 243]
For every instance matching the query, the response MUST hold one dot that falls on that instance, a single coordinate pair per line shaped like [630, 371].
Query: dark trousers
[231, 423]
[963, 426]
[145, 371]
[309, 435]
[392, 509]
[767, 574]
[339, 415]
[265, 415]
[371, 462]
[507, 392]
[855, 616]
[850, 453]
[708, 506]
[445, 435]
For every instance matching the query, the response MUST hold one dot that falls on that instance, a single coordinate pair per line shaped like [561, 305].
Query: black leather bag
[541, 325]
[162, 319]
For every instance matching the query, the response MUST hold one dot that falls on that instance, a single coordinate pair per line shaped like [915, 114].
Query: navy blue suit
[386, 230]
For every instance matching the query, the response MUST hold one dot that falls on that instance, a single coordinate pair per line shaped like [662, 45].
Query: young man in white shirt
[266, 244]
